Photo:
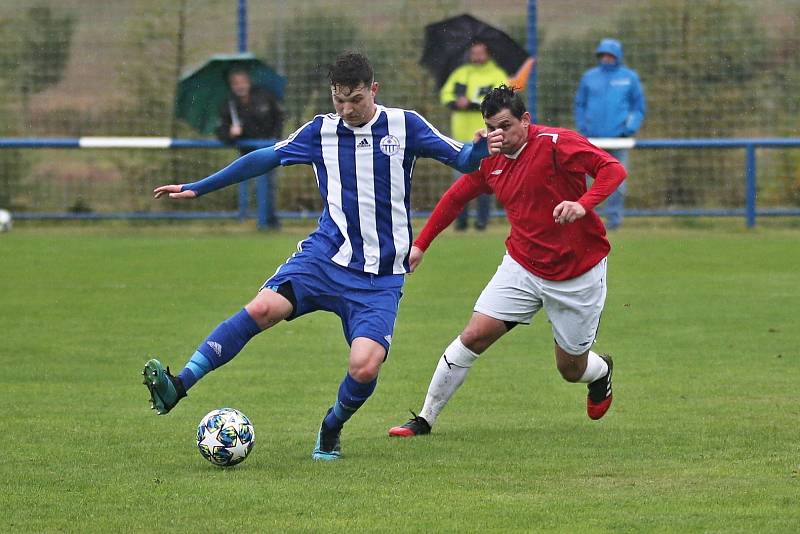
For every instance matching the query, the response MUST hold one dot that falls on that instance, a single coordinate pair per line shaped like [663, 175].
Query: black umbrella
[447, 41]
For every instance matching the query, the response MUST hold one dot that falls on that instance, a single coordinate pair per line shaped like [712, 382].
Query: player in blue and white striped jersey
[364, 175]
[354, 263]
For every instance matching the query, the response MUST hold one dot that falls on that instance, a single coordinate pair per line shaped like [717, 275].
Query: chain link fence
[68, 68]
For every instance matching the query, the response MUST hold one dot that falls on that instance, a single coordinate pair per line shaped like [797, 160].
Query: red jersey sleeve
[577, 154]
[463, 190]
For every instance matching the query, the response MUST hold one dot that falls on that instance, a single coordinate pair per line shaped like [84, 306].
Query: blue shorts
[367, 304]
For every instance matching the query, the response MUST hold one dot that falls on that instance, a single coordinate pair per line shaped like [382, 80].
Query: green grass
[703, 434]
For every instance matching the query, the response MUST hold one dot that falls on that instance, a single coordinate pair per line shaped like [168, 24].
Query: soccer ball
[5, 221]
[225, 437]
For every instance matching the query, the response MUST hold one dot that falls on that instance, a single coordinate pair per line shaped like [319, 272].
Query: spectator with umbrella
[235, 97]
[463, 85]
[251, 112]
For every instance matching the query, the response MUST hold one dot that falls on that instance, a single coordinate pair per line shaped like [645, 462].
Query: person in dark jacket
[610, 102]
[251, 112]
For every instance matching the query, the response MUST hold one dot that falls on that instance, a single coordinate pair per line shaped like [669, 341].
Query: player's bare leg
[451, 371]
[366, 358]
[592, 369]
[266, 310]
[572, 367]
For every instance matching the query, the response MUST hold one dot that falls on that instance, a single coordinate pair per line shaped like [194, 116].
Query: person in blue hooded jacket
[610, 103]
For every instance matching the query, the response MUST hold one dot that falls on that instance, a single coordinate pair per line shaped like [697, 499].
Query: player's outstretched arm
[445, 212]
[255, 163]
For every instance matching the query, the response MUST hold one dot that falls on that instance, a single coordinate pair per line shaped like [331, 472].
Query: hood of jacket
[610, 46]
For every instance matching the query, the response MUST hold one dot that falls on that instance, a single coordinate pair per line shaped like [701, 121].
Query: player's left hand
[567, 212]
[174, 191]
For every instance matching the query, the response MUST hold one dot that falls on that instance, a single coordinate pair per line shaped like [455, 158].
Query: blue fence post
[750, 185]
[241, 46]
[244, 199]
[533, 50]
[242, 26]
[263, 209]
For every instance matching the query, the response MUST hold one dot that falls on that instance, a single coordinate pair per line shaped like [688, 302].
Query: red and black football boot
[599, 399]
[416, 426]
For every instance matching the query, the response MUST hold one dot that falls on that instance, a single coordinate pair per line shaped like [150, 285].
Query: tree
[37, 52]
[703, 66]
[315, 38]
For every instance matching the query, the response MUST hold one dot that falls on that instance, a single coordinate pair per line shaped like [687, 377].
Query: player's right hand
[494, 140]
[174, 191]
[415, 258]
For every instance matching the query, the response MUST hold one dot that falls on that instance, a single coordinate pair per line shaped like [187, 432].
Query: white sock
[596, 367]
[450, 373]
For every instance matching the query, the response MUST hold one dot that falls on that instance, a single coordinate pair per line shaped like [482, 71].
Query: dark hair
[350, 70]
[236, 70]
[500, 98]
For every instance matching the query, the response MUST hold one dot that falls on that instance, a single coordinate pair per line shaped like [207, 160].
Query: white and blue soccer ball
[5, 221]
[225, 437]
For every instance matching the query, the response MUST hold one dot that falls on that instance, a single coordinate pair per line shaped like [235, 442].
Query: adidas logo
[388, 339]
[216, 347]
[363, 143]
[496, 172]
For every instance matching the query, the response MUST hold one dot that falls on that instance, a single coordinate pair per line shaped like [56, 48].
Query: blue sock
[352, 395]
[219, 347]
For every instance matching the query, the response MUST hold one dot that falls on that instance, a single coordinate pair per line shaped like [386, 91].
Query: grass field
[704, 434]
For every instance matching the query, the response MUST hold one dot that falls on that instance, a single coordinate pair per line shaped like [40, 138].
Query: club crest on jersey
[389, 145]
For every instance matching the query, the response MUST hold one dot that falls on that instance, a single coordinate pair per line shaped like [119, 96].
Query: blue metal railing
[263, 210]
[750, 145]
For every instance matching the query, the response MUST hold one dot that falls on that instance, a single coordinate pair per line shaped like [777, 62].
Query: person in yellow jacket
[462, 92]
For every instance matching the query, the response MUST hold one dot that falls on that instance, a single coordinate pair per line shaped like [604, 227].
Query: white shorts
[573, 306]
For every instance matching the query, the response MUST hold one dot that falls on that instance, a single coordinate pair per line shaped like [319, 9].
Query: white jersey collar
[364, 128]
[516, 154]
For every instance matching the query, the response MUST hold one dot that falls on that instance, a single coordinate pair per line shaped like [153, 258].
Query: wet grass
[702, 323]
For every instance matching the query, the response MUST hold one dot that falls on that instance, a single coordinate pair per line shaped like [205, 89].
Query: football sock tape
[596, 368]
[352, 395]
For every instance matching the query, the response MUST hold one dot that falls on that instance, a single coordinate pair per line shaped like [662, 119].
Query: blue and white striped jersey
[364, 178]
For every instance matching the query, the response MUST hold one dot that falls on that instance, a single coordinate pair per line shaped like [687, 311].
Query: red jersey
[549, 169]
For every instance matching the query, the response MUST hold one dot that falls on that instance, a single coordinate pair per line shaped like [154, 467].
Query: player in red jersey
[556, 252]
